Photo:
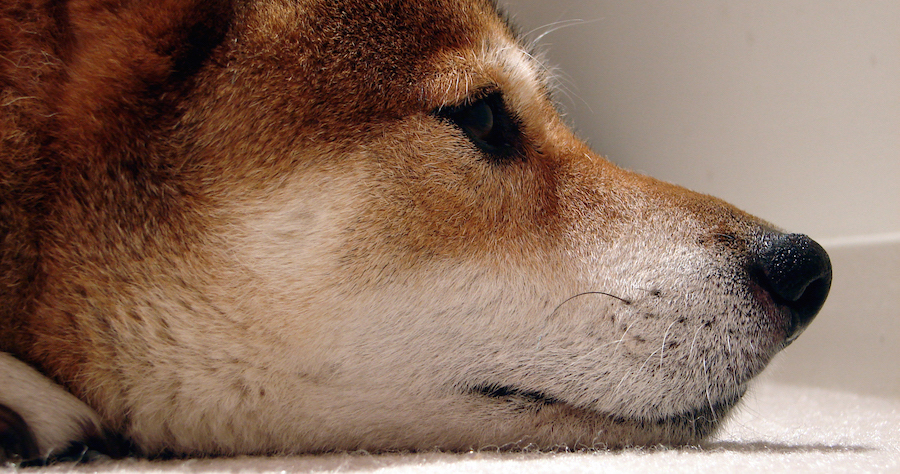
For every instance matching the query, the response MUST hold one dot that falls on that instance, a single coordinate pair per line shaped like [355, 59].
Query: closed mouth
[682, 428]
[506, 392]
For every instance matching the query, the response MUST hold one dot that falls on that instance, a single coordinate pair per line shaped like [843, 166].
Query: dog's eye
[477, 120]
[487, 124]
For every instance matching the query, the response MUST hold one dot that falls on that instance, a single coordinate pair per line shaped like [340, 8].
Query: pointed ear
[161, 38]
[123, 59]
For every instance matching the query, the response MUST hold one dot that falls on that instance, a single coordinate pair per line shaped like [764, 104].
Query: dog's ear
[127, 61]
[154, 41]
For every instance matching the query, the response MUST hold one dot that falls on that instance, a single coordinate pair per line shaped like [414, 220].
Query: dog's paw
[38, 418]
[16, 440]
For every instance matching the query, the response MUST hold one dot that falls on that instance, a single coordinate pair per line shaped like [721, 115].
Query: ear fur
[132, 60]
[82, 83]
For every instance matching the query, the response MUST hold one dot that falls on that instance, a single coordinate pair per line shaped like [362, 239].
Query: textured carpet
[777, 428]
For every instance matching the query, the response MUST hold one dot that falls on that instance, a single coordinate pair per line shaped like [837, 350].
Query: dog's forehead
[389, 55]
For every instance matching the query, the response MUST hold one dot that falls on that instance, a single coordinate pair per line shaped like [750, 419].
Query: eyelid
[472, 97]
[504, 141]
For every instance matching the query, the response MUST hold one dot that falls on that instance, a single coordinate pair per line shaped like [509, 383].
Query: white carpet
[777, 428]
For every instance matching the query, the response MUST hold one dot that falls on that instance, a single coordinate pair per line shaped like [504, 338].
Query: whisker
[693, 341]
[728, 336]
[619, 342]
[616, 390]
[551, 27]
[648, 360]
[662, 350]
[586, 293]
[636, 372]
[555, 76]
[558, 25]
[558, 79]
[708, 397]
[602, 293]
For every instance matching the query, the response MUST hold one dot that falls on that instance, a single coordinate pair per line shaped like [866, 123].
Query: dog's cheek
[435, 196]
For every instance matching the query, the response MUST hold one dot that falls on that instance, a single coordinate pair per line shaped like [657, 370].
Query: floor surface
[777, 428]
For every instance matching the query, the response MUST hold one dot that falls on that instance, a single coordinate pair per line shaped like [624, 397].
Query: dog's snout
[796, 271]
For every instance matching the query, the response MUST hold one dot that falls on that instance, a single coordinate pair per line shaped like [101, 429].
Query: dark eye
[487, 124]
[477, 120]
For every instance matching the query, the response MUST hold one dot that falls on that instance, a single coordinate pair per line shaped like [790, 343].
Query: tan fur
[245, 228]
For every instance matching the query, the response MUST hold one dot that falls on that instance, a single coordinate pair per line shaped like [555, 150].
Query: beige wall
[788, 108]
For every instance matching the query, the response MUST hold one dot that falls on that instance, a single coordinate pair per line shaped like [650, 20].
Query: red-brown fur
[137, 138]
[87, 101]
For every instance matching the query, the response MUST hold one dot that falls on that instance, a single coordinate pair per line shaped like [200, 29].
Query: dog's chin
[574, 427]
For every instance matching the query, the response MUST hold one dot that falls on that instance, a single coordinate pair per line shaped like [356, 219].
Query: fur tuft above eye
[488, 125]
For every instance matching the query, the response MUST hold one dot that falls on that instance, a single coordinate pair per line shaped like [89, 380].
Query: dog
[284, 226]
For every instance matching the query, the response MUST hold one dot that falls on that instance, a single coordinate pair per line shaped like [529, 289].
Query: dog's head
[370, 229]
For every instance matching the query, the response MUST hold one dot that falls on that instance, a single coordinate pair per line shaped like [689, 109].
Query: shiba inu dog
[285, 226]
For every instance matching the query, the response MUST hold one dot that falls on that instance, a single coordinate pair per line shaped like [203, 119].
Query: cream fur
[397, 290]
[55, 416]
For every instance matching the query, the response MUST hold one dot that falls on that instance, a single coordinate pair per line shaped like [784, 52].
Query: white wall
[789, 109]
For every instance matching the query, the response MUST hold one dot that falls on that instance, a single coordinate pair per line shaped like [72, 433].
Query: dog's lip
[701, 419]
[498, 391]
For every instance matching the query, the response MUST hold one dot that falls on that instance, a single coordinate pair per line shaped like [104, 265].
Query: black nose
[796, 271]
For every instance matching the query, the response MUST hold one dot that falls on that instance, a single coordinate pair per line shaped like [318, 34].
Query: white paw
[38, 418]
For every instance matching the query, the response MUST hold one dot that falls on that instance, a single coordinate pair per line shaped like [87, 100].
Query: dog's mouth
[511, 394]
[686, 427]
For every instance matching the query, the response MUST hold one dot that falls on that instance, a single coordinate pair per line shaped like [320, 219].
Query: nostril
[797, 272]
